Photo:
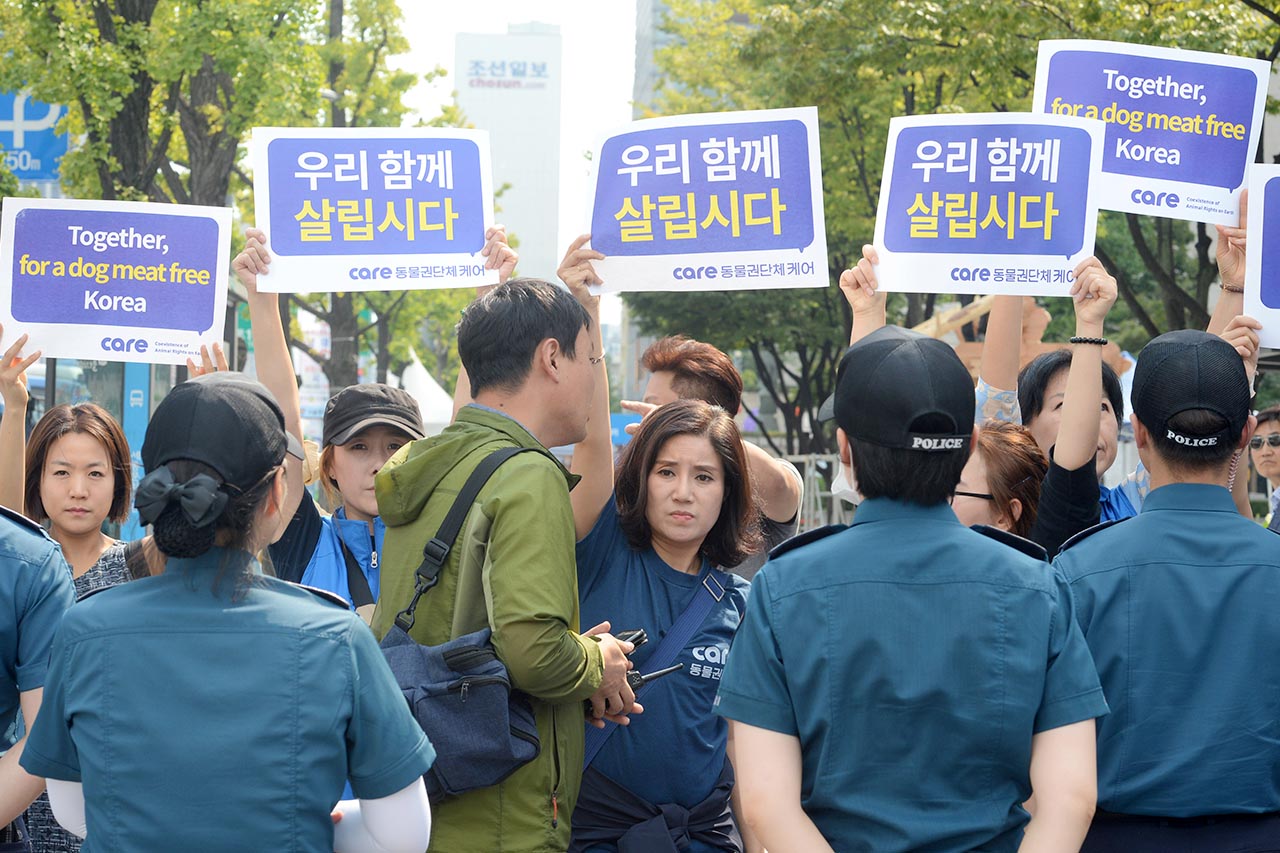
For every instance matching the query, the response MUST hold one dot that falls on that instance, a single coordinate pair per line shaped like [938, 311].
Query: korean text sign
[987, 203]
[373, 208]
[719, 201]
[1182, 125]
[114, 281]
[1262, 268]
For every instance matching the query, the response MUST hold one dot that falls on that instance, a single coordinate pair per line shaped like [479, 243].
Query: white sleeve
[400, 823]
[67, 801]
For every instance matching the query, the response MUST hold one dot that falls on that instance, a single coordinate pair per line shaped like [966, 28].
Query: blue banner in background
[32, 146]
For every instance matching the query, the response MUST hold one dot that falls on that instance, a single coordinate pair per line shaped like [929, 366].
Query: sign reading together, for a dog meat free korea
[114, 280]
[1182, 125]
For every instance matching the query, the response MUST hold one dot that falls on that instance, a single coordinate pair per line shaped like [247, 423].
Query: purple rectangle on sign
[997, 189]
[711, 188]
[375, 196]
[89, 267]
[1166, 119]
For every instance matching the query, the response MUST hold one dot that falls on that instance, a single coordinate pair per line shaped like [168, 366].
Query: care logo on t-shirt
[705, 657]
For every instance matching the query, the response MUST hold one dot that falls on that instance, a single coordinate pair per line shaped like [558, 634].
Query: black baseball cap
[901, 389]
[358, 407]
[225, 420]
[1190, 369]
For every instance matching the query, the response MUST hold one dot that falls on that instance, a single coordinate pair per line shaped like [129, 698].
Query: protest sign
[1262, 269]
[373, 208]
[1182, 125]
[987, 203]
[114, 280]
[719, 201]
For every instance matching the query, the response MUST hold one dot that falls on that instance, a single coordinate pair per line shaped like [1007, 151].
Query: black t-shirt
[1068, 505]
[292, 552]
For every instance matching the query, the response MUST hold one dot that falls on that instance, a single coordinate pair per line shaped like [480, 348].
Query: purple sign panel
[115, 280]
[1181, 125]
[1005, 189]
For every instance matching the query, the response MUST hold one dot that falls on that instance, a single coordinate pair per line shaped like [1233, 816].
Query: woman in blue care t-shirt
[683, 504]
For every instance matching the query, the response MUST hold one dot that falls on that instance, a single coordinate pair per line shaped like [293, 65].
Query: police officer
[907, 682]
[35, 590]
[1179, 608]
[211, 708]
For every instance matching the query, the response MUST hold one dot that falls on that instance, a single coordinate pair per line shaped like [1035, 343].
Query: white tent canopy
[435, 403]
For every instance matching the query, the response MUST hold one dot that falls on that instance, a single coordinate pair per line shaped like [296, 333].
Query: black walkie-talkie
[636, 680]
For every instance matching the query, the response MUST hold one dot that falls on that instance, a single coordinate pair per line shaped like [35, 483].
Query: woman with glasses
[1000, 484]
[1264, 451]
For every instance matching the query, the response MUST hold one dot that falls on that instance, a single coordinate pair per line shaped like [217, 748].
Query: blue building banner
[373, 208]
[114, 281]
[987, 203]
[29, 137]
[718, 201]
[1182, 125]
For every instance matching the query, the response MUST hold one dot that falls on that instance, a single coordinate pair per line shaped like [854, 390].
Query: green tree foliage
[863, 61]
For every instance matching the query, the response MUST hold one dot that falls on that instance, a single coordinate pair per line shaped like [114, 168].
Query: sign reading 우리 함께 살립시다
[719, 201]
[987, 203]
[114, 280]
[1262, 269]
[1182, 125]
[373, 208]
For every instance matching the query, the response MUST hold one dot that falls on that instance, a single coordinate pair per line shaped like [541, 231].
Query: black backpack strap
[436, 551]
[357, 583]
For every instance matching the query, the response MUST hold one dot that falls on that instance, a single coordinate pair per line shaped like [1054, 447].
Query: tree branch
[1163, 276]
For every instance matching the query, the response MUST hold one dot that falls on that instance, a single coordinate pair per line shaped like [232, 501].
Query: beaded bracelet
[1102, 342]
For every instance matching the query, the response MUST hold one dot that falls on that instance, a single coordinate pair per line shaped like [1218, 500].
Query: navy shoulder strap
[705, 597]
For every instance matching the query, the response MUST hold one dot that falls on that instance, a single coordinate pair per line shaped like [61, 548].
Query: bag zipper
[480, 680]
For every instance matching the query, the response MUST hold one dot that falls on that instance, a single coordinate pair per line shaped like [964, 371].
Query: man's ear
[1141, 436]
[973, 440]
[547, 357]
[842, 441]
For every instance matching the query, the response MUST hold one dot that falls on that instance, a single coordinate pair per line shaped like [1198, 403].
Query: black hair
[1035, 377]
[1196, 423]
[1269, 414]
[500, 331]
[176, 537]
[925, 477]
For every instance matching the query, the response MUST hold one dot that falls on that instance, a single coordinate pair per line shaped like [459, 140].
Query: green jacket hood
[415, 471]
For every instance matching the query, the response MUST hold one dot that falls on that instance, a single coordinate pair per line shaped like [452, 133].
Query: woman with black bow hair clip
[211, 707]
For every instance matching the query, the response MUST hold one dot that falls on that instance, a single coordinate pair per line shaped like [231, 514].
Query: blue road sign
[32, 148]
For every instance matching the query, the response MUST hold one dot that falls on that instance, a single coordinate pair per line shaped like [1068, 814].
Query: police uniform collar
[887, 509]
[1193, 496]
[212, 561]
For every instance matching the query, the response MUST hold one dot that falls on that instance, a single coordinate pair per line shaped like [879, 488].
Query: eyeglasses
[979, 495]
[1272, 440]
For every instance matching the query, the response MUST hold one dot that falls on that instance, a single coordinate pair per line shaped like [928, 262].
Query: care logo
[1155, 199]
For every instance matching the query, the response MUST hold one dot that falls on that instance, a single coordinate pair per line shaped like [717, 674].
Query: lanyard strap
[705, 597]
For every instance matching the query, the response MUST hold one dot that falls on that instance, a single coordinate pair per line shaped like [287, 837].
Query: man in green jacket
[528, 348]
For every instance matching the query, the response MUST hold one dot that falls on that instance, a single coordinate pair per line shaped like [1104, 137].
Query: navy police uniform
[914, 658]
[208, 714]
[1179, 607]
[35, 590]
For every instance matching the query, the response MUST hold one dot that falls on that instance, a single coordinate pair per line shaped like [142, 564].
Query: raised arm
[1093, 293]
[271, 350]
[498, 255]
[1242, 333]
[13, 433]
[1231, 257]
[1002, 347]
[860, 290]
[593, 456]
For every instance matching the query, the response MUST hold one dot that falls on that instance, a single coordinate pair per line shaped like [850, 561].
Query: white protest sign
[114, 280]
[718, 201]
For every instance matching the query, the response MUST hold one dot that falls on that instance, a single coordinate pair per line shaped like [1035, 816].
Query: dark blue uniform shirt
[1181, 608]
[35, 590]
[202, 718]
[914, 659]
